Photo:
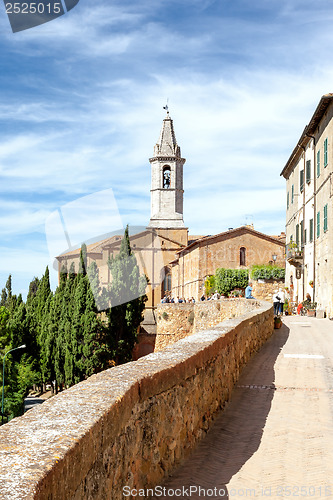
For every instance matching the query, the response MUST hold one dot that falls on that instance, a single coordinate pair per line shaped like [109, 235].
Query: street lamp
[3, 377]
[274, 257]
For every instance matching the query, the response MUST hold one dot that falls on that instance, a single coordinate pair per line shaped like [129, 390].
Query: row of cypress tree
[67, 337]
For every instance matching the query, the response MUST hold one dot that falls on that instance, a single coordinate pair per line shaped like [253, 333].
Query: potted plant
[310, 307]
[277, 322]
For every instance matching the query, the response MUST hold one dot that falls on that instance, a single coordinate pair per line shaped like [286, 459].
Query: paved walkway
[275, 438]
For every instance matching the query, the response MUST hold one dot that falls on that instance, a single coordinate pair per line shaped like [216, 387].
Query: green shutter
[318, 163]
[297, 235]
[308, 171]
[302, 239]
[311, 230]
[325, 219]
[301, 180]
[318, 224]
[325, 153]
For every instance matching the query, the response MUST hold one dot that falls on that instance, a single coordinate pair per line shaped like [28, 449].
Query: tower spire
[167, 179]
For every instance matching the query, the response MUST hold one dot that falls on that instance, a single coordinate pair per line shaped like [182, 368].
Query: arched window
[166, 177]
[242, 256]
[167, 283]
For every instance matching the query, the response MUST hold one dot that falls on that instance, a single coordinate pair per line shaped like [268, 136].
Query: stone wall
[266, 290]
[132, 424]
[177, 321]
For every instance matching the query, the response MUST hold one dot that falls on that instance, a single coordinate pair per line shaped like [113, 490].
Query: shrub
[227, 280]
[165, 315]
[267, 272]
[210, 285]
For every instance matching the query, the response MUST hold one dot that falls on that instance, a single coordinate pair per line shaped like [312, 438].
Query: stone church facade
[173, 261]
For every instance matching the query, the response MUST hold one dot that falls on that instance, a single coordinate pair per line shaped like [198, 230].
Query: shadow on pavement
[236, 432]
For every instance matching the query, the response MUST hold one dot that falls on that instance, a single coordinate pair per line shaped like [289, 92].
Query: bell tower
[167, 181]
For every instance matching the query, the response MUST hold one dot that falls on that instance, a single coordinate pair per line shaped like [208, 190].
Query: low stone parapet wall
[131, 425]
[177, 321]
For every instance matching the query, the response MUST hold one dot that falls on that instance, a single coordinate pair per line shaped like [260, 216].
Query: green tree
[127, 297]
[228, 279]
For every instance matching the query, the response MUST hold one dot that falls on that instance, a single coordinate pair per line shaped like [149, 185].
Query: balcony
[294, 257]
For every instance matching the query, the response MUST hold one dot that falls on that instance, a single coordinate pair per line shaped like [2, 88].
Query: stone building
[166, 239]
[238, 248]
[308, 174]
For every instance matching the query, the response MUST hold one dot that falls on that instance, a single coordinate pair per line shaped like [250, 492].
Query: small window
[325, 153]
[302, 234]
[297, 235]
[166, 177]
[242, 256]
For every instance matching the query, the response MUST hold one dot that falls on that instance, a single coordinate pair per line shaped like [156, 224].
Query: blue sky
[81, 103]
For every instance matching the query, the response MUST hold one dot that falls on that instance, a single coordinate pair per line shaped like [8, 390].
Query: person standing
[248, 291]
[276, 302]
[282, 298]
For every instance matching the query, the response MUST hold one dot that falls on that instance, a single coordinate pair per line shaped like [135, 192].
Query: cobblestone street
[275, 437]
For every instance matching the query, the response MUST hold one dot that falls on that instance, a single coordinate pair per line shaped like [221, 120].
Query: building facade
[308, 174]
[238, 248]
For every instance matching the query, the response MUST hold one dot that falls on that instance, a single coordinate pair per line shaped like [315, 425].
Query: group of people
[167, 299]
[278, 302]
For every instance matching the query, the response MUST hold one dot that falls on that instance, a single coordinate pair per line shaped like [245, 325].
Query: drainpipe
[302, 233]
[314, 213]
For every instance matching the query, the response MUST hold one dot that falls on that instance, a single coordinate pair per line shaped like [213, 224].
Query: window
[325, 153]
[325, 218]
[318, 163]
[297, 235]
[305, 236]
[301, 180]
[308, 171]
[318, 224]
[166, 177]
[311, 230]
[287, 200]
[242, 256]
[167, 283]
[292, 193]
[302, 236]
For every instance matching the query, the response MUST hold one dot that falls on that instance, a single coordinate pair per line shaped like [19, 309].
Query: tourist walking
[276, 303]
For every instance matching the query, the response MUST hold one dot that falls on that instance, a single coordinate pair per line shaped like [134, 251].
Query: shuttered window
[325, 153]
[318, 163]
[308, 171]
[325, 219]
[311, 230]
[318, 224]
[301, 180]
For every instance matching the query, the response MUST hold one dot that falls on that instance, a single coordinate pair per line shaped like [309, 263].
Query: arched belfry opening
[166, 181]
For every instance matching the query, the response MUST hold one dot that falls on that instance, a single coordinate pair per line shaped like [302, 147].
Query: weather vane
[166, 107]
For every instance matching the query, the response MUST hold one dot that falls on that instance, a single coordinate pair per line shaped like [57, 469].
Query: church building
[174, 262]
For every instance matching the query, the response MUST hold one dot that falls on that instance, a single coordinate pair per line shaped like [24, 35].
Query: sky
[81, 107]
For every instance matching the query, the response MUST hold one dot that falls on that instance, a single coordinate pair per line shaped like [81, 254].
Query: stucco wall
[132, 424]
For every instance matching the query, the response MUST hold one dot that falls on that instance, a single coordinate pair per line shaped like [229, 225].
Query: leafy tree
[210, 285]
[267, 272]
[127, 297]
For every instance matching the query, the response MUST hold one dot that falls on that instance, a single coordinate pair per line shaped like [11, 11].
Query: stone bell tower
[167, 181]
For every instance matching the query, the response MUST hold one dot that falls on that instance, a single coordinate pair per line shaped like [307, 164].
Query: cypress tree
[127, 302]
